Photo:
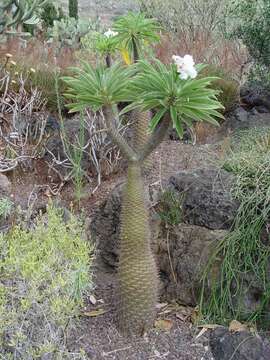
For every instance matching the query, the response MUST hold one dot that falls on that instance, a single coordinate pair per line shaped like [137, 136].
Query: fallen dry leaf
[92, 299]
[237, 326]
[161, 305]
[94, 313]
[203, 330]
[165, 324]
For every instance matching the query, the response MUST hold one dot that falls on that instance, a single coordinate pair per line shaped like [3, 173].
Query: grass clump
[242, 290]
[44, 273]
[170, 208]
[5, 208]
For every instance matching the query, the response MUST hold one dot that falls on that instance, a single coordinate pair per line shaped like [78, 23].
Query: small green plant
[170, 208]
[75, 153]
[243, 252]
[5, 208]
[45, 271]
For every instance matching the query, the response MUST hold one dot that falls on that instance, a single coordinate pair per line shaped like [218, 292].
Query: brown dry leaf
[237, 326]
[203, 330]
[165, 324]
[161, 305]
[94, 313]
[195, 315]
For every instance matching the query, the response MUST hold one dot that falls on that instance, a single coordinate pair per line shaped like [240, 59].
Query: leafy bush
[50, 13]
[252, 25]
[44, 274]
[73, 9]
[228, 88]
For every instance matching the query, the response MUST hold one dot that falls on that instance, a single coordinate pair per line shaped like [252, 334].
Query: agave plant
[175, 101]
[14, 12]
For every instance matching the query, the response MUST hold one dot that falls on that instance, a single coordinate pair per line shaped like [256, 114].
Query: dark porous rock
[242, 345]
[182, 253]
[241, 119]
[105, 227]
[5, 186]
[241, 114]
[255, 96]
[207, 200]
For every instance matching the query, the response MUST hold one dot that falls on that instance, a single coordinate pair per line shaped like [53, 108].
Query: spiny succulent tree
[15, 12]
[73, 9]
[176, 97]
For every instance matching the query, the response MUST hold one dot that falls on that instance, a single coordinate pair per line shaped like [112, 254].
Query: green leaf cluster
[147, 86]
[105, 45]
[134, 29]
[95, 88]
[159, 87]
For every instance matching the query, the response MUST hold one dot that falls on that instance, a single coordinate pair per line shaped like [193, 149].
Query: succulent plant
[15, 12]
[175, 101]
[69, 31]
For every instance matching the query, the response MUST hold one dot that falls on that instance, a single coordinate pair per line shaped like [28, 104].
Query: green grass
[245, 257]
[45, 272]
[170, 207]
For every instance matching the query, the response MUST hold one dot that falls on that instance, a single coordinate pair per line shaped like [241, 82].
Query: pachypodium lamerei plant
[175, 99]
[15, 12]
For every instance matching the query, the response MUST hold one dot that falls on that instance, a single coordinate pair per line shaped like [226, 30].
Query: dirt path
[99, 338]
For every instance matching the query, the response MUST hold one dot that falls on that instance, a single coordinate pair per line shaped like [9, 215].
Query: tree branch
[117, 138]
[156, 137]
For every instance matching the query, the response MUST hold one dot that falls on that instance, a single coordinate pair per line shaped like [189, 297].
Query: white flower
[185, 66]
[110, 33]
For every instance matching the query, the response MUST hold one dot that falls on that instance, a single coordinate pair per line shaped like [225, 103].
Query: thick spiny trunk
[138, 276]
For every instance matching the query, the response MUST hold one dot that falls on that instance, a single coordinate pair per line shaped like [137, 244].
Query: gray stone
[182, 253]
[241, 119]
[5, 186]
[207, 199]
[105, 227]
[241, 114]
[253, 96]
[226, 345]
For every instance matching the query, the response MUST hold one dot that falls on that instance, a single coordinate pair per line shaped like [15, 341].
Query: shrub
[5, 208]
[245, 250]
[228, 88]
[44, 275]
[49, 14]
[250, 22]
[73, 9]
